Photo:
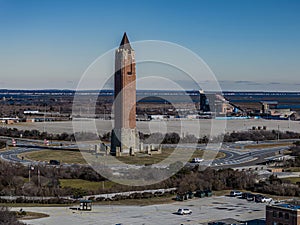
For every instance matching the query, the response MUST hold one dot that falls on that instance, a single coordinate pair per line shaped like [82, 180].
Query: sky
[248, 44]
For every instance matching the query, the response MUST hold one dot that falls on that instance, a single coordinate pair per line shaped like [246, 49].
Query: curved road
[234, 156]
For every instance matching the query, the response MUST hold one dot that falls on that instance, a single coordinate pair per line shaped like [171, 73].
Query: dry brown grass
[140, 159]
[31, 215]
[272, 145]
[63, 156]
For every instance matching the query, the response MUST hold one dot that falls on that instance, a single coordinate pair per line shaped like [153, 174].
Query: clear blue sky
[249, 44]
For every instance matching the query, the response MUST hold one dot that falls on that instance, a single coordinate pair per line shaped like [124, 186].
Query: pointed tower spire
[125, 42]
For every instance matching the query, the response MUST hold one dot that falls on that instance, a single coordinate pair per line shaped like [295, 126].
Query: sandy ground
[204, 210]
[197, 127]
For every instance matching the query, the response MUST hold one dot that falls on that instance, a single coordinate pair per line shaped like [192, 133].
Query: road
[235, 154]
[12, 155]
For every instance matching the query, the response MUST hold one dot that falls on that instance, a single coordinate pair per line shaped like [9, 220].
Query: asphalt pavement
[203, 210]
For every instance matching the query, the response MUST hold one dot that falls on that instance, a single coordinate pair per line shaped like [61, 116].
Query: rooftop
[125, 42]
[85, 201]
[269, 102]
[289, 206]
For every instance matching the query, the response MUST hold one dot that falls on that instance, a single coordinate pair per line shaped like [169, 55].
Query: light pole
[278, 133]
[31, 168]
[39, 176]
[215, 110]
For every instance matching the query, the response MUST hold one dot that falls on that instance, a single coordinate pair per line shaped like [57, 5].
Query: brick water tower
[124, 139]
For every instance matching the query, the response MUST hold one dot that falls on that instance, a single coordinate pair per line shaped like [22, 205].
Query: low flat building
[283, 214]
[9, 120]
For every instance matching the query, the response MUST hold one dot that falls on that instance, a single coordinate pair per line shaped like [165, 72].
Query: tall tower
[124, 138]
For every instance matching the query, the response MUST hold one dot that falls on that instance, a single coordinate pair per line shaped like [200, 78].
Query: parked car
[179, 198]
[184, 211]
[208, 193]
[182, 197]
[266, 199]
[258, 198]
[245, 195]
[235, 193]
[200, 194]
[251, 197]
[54, 162]
[197, 160]
[190, 194]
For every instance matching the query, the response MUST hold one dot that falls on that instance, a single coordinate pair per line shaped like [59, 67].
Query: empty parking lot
[204, 210]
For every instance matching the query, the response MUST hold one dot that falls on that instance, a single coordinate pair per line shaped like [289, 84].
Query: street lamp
[30, 168]
[278, 133]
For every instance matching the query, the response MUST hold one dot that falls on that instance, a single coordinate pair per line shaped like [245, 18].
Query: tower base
[124, 141]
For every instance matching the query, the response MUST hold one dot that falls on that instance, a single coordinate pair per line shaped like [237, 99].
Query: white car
[235, 193]
[184, 211]
[197, 160]
[266, 199]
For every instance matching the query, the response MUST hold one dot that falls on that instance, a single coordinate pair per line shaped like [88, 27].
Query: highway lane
[248, 159]
[12, 155]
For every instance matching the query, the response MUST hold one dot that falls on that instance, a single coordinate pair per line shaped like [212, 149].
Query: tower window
[130, 71]
[130, 67]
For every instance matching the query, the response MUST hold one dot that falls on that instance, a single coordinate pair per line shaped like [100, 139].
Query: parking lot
[203, 210]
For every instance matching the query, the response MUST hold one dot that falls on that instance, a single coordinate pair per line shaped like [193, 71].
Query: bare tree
[7, 217]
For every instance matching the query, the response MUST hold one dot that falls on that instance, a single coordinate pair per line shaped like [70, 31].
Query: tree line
[39, 135]
[155, 138]
[14, 180]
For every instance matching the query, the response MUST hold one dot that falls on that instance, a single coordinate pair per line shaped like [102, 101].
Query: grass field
[76, 157]
[21, 205]
[153, 159]
[293, 169]
[31, 215]
[272, 145]
[293, 180]
[62, 156]
[84, 184]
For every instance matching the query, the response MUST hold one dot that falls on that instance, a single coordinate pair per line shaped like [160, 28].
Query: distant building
[9, 120]
[31, 112]
[230, 221]
[282, 113]
[283, 214]
[267, 105]
[29, 120]
[204, 102]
